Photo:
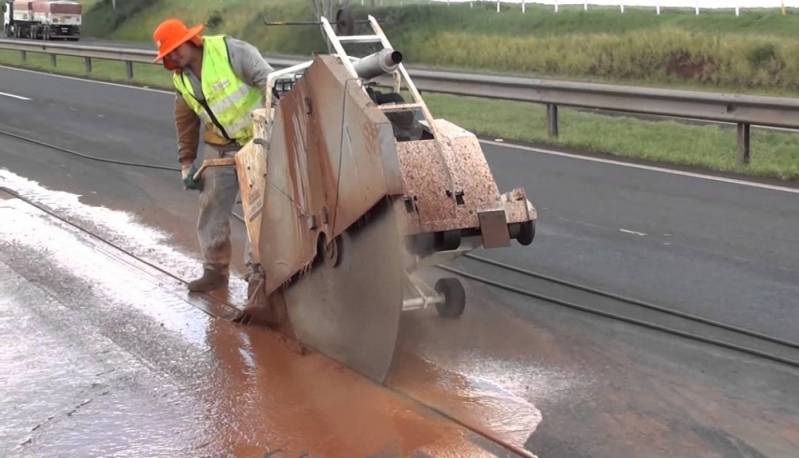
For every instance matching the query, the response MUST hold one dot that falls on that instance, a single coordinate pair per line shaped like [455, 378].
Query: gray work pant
[220, 188]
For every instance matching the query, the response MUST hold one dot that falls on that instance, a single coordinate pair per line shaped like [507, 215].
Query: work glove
[187, 175]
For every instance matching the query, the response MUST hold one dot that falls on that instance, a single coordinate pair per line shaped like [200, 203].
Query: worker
[219, 81]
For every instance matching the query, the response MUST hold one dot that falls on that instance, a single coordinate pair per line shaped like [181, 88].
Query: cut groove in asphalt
[647, 323]
[53, 214]
[86, 156]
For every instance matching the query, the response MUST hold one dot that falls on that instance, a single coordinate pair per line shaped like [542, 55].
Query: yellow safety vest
[228, 101]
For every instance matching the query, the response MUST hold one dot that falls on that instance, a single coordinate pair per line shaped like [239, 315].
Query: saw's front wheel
[348, 306]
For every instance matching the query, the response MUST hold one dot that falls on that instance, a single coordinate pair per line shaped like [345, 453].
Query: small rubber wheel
[526, 233]
[331, 252]
[448, 240]
[454, 298]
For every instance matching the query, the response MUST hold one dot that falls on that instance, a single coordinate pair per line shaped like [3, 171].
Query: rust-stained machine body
[347, 189]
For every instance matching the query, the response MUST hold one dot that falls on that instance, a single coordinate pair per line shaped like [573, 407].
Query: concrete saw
[347, 189]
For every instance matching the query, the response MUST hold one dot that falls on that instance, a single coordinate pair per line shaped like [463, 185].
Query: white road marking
[19, 97]
[627, 231]
[85, 80]
[650, 168]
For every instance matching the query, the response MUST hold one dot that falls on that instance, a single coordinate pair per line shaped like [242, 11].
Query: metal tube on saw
[377, 64]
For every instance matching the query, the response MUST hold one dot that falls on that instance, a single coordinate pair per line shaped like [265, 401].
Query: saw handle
[221, 162]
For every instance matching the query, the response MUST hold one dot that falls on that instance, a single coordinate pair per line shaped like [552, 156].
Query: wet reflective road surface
[102, 355]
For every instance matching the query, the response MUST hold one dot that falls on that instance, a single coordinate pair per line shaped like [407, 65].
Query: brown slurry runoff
[478, 404]
[309, 403]
[257, 394]
[477, 368]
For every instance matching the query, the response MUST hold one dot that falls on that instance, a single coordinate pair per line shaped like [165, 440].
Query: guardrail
[743, 110]
[658, 5]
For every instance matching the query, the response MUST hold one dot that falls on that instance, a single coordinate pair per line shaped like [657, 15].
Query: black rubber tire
[526, 233]
[454, 298]
[447, 240]
[331, 253]
[345, 24]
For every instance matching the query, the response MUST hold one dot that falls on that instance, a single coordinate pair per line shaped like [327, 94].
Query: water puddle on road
[208, 386]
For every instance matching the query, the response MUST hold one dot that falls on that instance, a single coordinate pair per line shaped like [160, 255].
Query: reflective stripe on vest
[229, 99]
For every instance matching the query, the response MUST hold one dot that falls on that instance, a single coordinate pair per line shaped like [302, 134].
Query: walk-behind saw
[347, 189]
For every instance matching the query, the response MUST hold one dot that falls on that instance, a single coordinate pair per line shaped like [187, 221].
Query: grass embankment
[757, 52]
[775, 154]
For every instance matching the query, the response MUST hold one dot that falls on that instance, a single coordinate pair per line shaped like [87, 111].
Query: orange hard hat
[172, 33]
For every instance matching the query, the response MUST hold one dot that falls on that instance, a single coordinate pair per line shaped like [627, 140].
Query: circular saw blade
[351, 311]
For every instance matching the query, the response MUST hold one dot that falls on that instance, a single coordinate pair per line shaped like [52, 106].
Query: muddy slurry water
[103, 355]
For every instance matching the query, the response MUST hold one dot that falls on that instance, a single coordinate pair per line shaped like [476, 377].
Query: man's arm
[187, 125]
[248, 64]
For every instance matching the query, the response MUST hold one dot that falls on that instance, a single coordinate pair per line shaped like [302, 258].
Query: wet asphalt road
[105, 356]
[725, 251]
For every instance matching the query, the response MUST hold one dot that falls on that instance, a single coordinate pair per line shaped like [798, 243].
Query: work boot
[211, 280]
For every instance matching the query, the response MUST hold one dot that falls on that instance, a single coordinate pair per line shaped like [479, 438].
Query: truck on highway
[42, 20]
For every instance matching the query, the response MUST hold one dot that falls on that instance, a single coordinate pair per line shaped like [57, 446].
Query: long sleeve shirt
[250, 67]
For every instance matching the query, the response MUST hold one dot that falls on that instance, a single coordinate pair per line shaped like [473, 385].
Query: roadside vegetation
[756, 53]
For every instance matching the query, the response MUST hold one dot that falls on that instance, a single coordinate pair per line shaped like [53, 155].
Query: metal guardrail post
[53, 60]
[88, 63]
[744, 143]
[129, 68]
[552, 120]
[24, 56]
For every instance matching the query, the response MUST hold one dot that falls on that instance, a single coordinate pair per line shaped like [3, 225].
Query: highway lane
[99, 358]
[725, 251]
[722, 250]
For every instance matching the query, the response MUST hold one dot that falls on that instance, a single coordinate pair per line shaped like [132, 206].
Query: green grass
[239, 18]
[774, 153]
[756, 53]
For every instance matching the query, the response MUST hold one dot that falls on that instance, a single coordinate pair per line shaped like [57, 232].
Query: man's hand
[187, 175]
